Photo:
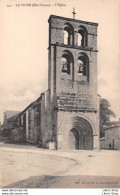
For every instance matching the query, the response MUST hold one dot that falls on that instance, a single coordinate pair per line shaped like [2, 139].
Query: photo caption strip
[14, 191]
[17, 5]
[110, 191]
[20, 191]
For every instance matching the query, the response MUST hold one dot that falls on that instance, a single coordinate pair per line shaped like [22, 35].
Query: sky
[24, 43]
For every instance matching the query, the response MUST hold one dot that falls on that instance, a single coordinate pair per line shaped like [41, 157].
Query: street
[23, 166]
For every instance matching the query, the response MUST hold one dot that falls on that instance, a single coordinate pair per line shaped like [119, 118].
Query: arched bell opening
[82, 37]
[68, 34]
[83, 65]
[67, 62]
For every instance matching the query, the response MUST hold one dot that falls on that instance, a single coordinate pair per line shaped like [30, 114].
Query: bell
[64, 69]
[80, 68]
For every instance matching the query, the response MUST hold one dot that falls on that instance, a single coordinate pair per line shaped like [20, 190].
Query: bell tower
[72, 81]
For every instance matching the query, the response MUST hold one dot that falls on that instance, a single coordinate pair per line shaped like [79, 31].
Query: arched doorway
[85, 139]
[80, 137]
[73, 139]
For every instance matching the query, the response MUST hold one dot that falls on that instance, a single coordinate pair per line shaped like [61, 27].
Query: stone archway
[77, 133]
[85, 133]
[73, 139]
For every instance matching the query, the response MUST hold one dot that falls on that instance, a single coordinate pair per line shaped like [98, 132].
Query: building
[66, 116]
[112, 137]
[10, 119]
[35, 121]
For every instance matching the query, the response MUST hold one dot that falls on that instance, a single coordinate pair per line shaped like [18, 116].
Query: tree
[105, 114]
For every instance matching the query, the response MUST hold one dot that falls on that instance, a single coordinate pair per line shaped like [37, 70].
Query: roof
[31, 104]
[114, 123]
[71, 19]
[26, 108]
[10, 113]
[112, 126]
[13, 118]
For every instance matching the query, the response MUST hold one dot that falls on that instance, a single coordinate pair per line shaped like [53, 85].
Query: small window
[83, 65]
[80, 68]
[66, 35]
[64, 64]
[79, 38]
[82, 36]
[67, 62]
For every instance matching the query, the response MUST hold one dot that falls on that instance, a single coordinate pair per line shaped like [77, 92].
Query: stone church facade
[74, 104]
[67, 114]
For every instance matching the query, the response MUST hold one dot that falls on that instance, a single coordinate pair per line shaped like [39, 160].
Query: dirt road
[31, 167]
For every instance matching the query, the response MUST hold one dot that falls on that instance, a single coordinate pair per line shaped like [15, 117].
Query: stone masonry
[66, 116]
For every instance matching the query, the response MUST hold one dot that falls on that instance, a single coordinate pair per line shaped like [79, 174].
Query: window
[80, 68]
[83, 65]
[67, 62]
[79, 38]
[82, 36]
[68, 34]
[64, 64]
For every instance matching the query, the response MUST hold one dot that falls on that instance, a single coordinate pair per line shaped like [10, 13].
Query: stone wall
[72, 95]
[18, 135]
[57, 25]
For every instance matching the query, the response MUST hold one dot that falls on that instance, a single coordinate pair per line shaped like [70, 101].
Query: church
[66, 116]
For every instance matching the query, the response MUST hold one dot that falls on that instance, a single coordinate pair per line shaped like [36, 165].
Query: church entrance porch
[83, 134]
[77, 134]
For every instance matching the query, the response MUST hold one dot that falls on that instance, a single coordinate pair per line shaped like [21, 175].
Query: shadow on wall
[71, 181]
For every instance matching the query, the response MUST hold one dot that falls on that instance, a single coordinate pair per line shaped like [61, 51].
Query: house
[10, 119]
[112, 137]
